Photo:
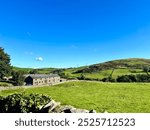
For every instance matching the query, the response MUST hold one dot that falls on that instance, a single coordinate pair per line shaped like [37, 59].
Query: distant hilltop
[132, 63]
[114, 68]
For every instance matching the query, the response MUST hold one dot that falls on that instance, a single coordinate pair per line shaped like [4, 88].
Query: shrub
[133, 78]
[143, 78]
[126, 78]
[82, 77]
[108, 79]
[5, 84]
[21, 103]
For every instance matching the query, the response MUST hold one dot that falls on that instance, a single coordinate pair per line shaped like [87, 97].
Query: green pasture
[111, 97]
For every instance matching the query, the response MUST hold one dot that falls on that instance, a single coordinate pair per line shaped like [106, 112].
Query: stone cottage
[41, 79]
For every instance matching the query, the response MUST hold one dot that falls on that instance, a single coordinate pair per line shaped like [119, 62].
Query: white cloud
[39, 58]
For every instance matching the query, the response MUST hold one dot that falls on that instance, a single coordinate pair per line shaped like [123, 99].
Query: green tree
[146, 69]
[5, 67]
[34, 71]
[18, 78]
[82, 77]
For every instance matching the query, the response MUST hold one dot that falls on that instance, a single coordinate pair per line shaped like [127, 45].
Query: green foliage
[109, 79]
[5, 84]
[126, 78]
[21, 103]
[90, 69]
[34, 71]
[143, 78]
[63, 75]
[82, 77]
[134, 78]
[18, 78]
[60, 72]
[5, 67]
[146, 69]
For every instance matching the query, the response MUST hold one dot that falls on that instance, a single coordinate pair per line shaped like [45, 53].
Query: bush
[21, 103]
[143, 78]
[5, 84]
[126, 78]
[82, 77]
[34, 71]
[133, 78]
[108, 79]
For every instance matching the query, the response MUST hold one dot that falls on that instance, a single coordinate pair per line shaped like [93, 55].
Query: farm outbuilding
[41, 79]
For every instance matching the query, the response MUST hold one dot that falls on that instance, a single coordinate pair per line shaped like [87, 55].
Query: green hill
[26, 70]
[115, 67]
[101, 70]
[40, 70]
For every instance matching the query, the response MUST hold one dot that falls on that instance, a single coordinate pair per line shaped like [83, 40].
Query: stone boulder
[50, 107]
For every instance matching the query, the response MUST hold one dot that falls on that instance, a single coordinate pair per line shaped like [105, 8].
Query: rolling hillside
[115, 67]
[102, 70]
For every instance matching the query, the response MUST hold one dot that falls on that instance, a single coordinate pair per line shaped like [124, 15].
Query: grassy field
[5, 84]
[105, 73]
[112, 97]
[120, 67]
[40, 70]
[22, 69]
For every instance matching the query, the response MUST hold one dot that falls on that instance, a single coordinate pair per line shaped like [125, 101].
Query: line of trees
[133, 78]
[122, 78]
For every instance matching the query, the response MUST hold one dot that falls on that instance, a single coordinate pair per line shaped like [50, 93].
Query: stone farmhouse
[41, 79]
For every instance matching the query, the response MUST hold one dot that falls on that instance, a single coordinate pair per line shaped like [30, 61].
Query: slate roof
[37, 76]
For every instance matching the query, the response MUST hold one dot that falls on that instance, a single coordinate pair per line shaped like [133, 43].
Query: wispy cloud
[28, 53]
[29, 34]
[73, 46]
[95, 50]
[39, 58]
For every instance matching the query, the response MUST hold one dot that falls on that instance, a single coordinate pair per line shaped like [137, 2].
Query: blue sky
[71, 33]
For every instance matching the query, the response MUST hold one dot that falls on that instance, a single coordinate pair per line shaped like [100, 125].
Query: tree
[143, 78]
[18, 78]
[58, 71]
[34, 71]
[125, 78]
[146, 69]
[5, 67]
[62, 75]
[82, 77]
